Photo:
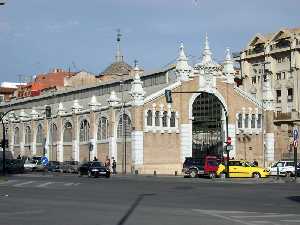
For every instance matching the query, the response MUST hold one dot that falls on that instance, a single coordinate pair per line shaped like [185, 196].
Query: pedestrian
[95, 159]
[114, 166]
[107, 162]
[255, 163]
[19, 156]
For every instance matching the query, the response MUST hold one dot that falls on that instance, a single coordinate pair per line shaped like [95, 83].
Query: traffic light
[48, 112]
[168, 95]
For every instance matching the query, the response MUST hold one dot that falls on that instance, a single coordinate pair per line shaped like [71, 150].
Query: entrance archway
[208, 126]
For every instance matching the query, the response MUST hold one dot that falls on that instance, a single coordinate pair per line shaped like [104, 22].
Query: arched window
[246, 120]
[253, 121]
[172, 119]
[240, 120]
[17, 136]
[164, 119]
[149, 118]
[39, 135]
[259, 121]
[157, 118]
[102, 132]
[84, 131]
[127, 126]
[68, 132]
[53, 133]
[27, 135]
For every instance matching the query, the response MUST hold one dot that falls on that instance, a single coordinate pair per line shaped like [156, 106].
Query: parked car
[207, 166]
[33, 165]
[93, 169]
[241, 168]
[70, 166]
[12, 166]
[54, 166]
[283, 168]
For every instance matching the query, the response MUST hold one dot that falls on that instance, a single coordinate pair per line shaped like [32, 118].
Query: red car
[207, 166]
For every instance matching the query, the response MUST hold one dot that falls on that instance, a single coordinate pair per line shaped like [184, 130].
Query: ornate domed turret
[119, 67]
[207, 64]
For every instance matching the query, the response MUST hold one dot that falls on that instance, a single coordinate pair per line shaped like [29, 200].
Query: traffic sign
[44, 160]
[295, 133]
[229, 147]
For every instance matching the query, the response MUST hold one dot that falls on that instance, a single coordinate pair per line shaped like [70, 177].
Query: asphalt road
[131, 200]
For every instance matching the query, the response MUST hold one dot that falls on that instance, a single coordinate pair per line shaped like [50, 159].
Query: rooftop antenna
[119, 57]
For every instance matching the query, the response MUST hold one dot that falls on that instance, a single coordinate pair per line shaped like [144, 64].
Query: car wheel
[256, 175]
[193, 173]
[223, 175]
[212, 175]
[107, 176]
[288, 174]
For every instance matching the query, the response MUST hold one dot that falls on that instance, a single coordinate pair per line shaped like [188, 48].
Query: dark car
[12, 166]
[93, 169]
[54, 166]
[70, 166]
[195, 167]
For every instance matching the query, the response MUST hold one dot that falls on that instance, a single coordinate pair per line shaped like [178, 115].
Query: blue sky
[37, 35]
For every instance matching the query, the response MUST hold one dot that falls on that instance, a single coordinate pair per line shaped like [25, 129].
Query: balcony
[289, 117]
[282, 116]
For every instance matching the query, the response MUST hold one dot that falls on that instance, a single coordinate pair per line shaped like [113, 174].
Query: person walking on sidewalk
[114, 166]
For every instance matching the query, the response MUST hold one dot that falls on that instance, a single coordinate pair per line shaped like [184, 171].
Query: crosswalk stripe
[264, 216]
[44, 184]
[68, 184]
[22, 184]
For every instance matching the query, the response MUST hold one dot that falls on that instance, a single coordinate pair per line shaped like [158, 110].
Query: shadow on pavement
[132, 208]
[294, 198]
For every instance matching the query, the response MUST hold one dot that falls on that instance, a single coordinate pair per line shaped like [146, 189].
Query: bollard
[154, 173]
[136, 172]
[175, 173]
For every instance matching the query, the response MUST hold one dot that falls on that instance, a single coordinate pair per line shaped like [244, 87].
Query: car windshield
[212, 163]
[278, 164]
[97, 164]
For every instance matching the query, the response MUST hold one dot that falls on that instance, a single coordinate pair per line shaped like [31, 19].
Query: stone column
[22, 138]
[60, 137]
[93, 134]
[33, 133]
[137, 138]
[75, 152]
[113, 135]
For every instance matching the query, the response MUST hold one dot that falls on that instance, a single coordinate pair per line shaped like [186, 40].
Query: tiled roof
[117, 68]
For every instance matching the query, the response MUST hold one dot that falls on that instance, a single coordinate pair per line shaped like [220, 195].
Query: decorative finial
[135, 63]
[206, 52]
[119, 57]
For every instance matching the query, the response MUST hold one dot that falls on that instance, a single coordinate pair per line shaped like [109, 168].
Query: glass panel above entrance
[208, 132]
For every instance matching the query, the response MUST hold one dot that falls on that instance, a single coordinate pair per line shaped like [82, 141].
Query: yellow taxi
[241, 168]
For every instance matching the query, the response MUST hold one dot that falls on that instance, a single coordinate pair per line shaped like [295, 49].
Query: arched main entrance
[207, 126]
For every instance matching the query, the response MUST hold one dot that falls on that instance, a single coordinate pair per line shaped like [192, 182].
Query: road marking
[44, 184]
[212, 213]
[291, 221]
[68, 184]
[22, 184]
[22, 212]
[264, 216]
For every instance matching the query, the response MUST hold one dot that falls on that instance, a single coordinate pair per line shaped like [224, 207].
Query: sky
[39, 35]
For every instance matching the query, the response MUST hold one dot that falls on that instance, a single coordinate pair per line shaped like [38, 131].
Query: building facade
[128, 118]
[275, 58]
